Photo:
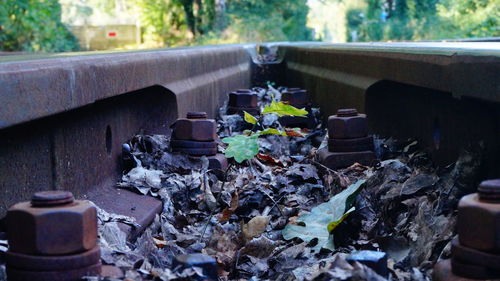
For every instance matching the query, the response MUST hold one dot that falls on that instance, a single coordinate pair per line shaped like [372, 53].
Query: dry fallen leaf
[255, 227]
[159, 241]
[224, 216]
[294, 133]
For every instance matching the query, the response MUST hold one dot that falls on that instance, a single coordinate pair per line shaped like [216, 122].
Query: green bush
[34, 26]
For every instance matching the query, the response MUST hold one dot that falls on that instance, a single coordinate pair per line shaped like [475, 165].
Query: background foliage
[423, 20]
[35, 25]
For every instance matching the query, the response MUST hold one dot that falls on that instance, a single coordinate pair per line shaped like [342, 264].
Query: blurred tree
[425, 19]
[34, 25]
[469, 18]
[268, 20]
[200, 15]
[161, 21]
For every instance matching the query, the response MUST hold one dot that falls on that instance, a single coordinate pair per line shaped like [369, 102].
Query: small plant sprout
[246, 146]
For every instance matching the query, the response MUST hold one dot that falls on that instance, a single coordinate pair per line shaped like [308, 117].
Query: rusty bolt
[472, 256]
[196, 115]
[351, 145]
[53, 223]
[53, 263]
[15, 274]
[298, 98]
[472, 271]
[347, 124]
[247, 91]
[242, 99]
[478, 221]
[195, 127]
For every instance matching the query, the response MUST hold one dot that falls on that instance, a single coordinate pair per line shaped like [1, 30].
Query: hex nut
[348, 127]
[58, 230]
[472, 256]
[339, 160]
[195, 129]
[351, 145]
[478, 224]
[299, 98]
[237, 99]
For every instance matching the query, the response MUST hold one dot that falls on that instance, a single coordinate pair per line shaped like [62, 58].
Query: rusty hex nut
[58, 229]
[242, 99]
[347, 125]
[195, 129]
[297, 98]
[478, 224]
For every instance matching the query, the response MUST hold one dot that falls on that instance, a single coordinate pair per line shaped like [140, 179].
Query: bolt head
[478, 224]
[237, 99]
[298, 98]
[489, 191]
[195, 129]
[347, 127]
[52, 230]
[196, 115]
[51, 198]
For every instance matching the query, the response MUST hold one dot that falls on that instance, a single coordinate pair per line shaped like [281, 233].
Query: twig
[218, 198]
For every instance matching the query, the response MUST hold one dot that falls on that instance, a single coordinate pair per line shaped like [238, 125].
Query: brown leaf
[294, 133]
[255, 227]
[159, 241]
[269, 159]
[226, 214]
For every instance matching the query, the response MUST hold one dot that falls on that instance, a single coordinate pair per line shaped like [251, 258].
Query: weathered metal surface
[472, 256]
[38, 88]
[442, 272]
[473, 271]
[119, 201]
[242, 99]
[355, 144]
[337, 160]
[296, 97]
[14, 274]
[51, 198]
[53, 263]
[444, 93]
[478, 224]
[60, 226]
[193, 144]
[73, 113]
[350, 126]
[489, 191]
[195, 129]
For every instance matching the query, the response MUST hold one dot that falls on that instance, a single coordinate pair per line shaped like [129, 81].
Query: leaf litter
[284, 216]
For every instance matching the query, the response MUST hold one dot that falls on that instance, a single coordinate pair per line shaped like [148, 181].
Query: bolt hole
[109, 140]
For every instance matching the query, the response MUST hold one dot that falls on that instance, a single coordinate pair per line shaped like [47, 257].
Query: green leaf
[332, 225]
[242, 147]
[250, 118]
[282, 109]
[271, 131]
[315, 224]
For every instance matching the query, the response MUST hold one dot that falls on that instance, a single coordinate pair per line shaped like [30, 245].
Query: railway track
[64, 118]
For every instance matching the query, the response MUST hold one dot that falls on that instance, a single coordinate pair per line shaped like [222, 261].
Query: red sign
[111, 34]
